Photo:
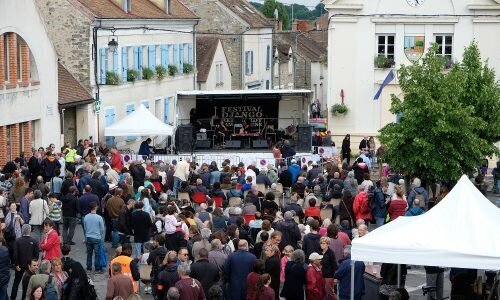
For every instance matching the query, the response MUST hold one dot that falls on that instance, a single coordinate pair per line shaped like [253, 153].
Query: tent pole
[352, 278]
[399, 275]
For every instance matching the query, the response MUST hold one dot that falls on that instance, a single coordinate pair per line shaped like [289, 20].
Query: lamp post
[113, 43]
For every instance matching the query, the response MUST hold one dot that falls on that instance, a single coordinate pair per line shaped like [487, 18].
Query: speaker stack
[257, 144]
[233, 144]
[184, 138]
[304, 141]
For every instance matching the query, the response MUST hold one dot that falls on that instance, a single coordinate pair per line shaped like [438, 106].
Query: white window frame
[386, 45]
[443, 45]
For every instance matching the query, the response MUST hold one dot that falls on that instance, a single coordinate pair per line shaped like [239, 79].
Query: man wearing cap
[315, 283]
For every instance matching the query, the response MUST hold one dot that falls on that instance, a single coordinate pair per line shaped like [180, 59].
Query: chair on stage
[248, 218]
[199, 198]
[261, 188]
[217, 201]
[235, 202]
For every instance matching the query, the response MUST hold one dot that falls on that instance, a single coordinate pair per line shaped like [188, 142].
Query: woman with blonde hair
[398, 205]
[59, 276]
[273, 266]
[287, 254]
[328, 265]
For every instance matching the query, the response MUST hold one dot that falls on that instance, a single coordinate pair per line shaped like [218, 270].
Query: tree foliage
[300, 12]
[450, 120]
[268, 11]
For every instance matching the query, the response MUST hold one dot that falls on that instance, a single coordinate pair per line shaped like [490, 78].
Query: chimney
[294, 25]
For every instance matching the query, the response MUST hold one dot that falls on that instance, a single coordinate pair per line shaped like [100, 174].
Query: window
[109, 119]
[219, 75]
[268, 57]
[6, 56]
[267, 84]
[445, 43]
[19, 60]
[166, 111]
[385, 46]
[248, 62]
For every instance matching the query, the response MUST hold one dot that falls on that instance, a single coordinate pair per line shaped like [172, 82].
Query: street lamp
[113, 44]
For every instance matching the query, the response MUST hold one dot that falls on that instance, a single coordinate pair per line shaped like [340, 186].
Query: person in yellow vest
[130, 266]
[69, 156]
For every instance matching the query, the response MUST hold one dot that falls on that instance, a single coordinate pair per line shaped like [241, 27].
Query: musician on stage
[246, 127]
[220, 130]
[145, 148]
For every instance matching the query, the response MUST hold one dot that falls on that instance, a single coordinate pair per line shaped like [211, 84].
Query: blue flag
[387, 80]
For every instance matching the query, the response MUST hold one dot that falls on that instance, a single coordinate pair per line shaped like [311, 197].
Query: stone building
[152, 57]
[298, 64]
[212, 65]
[246, 39]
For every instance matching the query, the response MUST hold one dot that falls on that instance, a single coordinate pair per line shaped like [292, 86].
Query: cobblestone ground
[414, 282]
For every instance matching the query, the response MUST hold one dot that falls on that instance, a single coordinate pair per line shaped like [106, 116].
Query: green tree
[268, 11]
[439, 136]
[300, 12]
[319, 10]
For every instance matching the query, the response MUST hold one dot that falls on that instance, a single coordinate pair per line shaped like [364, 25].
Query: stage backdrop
[259, 112]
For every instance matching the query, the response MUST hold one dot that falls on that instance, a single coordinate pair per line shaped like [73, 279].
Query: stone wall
[70, 32]
[302, 75]
[215, 19]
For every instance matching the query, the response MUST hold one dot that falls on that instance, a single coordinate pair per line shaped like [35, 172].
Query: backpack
[9, 232]
[92, 294]
[371, 197]
[49, 292]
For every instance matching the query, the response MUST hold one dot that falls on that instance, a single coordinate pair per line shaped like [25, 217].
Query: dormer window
[127, 5]
[168, 6]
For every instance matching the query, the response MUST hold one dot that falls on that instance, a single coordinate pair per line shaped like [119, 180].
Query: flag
[387, 80]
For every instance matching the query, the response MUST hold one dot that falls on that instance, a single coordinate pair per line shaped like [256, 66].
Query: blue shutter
[268, 57]
[102, 56]
[124, 64]
[140, 62]
[115, 62]
[181, 58]
[251, 62]
[176, 56]
[190, 53]
[146, 103]
[246, 63]
[109, 119]
[152, 57]
[136, 59]
[129, 109]
[164, 56]
[166, 113]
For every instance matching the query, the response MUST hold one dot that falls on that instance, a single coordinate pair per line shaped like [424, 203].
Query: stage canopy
[139, 123]
[461, 231]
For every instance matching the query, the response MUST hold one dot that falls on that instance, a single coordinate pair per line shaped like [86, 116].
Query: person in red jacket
[50, 244]
[116, 160]
[315, 283]
[361, 206]
[312, 210]
[399, 205]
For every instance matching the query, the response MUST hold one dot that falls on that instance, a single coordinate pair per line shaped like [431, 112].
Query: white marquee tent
[139, 123]
[461, 231]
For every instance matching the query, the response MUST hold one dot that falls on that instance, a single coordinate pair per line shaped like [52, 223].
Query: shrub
[172, 70]
[112, 78]
[384, 62]
[132, 75]
[147, 73]
[339, 109]
[187, 68]
[161, 72]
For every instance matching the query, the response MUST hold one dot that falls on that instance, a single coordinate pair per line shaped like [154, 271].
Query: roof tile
[141, 9]
[71, 92]
[205, 51]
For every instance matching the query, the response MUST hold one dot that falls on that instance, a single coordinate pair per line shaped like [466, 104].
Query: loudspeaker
[304, 140]
[184, 138]
[233, 144]
[205, 144]
[201, 136]
[259, 144]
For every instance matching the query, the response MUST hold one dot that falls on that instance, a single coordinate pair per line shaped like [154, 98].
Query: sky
[309, 3]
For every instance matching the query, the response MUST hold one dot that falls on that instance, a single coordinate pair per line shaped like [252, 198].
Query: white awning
[139, 123]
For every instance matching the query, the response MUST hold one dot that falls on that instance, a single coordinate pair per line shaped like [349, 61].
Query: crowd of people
[179, 230]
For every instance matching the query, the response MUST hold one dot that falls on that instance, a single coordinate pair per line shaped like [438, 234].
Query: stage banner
[258, 112]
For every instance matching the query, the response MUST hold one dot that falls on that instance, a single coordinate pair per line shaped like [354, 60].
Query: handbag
[9, 232]
[350, 217]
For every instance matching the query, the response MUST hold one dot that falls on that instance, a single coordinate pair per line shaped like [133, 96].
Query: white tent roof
[462, 231]
[139, 123]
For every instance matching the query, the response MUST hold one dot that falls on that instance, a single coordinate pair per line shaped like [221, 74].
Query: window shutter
[167, 110]
[268, 57]
[246, 63]
[251, 62]
[146, 103]
[164, 55]
[190, 53]
[140, 62]
[176, 56]
[136, 59]
[129, 109]
[152, 57]
[102, 55]
[181, 58]
[124, 64]
[115, 62]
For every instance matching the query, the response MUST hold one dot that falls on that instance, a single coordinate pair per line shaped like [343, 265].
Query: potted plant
[161, 72]
[187, 68]
[132, 75]
[112, 78]
[384, 62]
[172, 70]
[339, 109]
[147, 73]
